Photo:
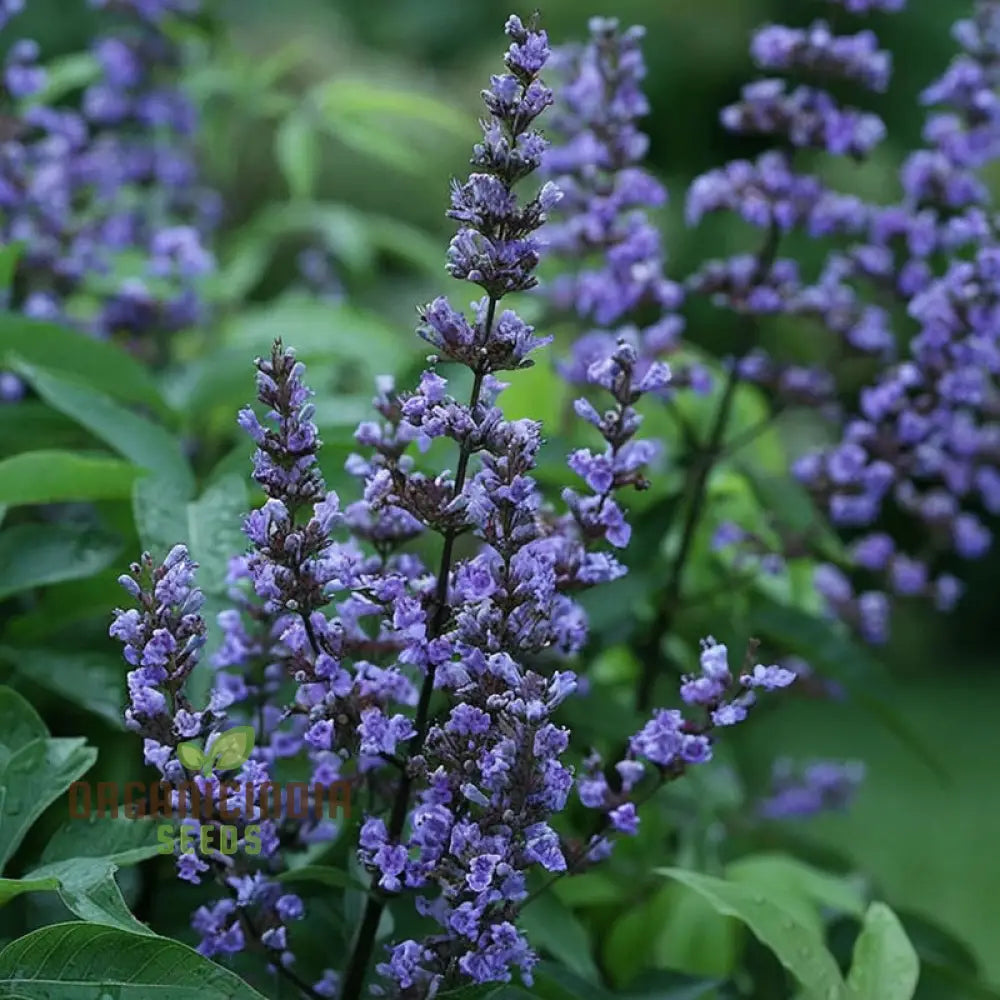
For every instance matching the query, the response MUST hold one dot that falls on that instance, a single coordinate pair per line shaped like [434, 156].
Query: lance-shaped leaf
[34, 770]
[79, 961]
[796, 945]
[52, 476]
[87, 886]
[144, 442]
[33, 555]
[98, 363]
[19, 722]
[885, 965]
[89, 679]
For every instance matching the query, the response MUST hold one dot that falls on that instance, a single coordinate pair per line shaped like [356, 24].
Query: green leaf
[215, 531]
[215, 536]
[940, 982]
[341, 411]
[385, 123]
[100, 837]
[590, 889]
[658, 986]
[555, 982]
[9, 257]
[32, 555]
[794, 944]
[377, 140]
[78, 961]
[232, 747]
[87, 886]
[143, 442]
[20, 724]
[937, 945]
[160, 513]
[296, 147]
[191, 756]
[553, 927]
[885, 965]
[353, 903]
[801, 886]
[539, 393]
[343, 96]
[316, 330]
[88, 679]
[29, 425]
[344, 347]
[399, 239]
[58, 476]
[97, 363]
[354, 237]
[66, 74]
[673, 928]
[692, 936]
[35, 776]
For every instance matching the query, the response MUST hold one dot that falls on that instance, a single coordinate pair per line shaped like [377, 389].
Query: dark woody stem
[357, 966]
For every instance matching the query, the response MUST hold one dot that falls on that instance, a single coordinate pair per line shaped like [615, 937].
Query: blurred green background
[932, 841]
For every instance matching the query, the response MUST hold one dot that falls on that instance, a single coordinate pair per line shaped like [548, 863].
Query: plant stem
[648, 649]
[698, 483]
[364, 943]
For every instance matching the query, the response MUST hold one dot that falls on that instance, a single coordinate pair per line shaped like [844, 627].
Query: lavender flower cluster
[802, 792]
[162, 639]
[434, 686]
[770, 194]
[82, 188]
[603, 214]
[419, 641]
[925, 438]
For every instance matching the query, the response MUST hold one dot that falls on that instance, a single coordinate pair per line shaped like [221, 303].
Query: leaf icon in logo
[232, 747]
[190, 755]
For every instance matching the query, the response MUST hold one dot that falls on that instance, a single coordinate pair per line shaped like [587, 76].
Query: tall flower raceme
[614, 279]
[143, 128]
[601, 225]
[924, 440]
[773, 195]
[599, 162]
[81, 186]
[162, 639]
[435, 687]
[770, 194]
